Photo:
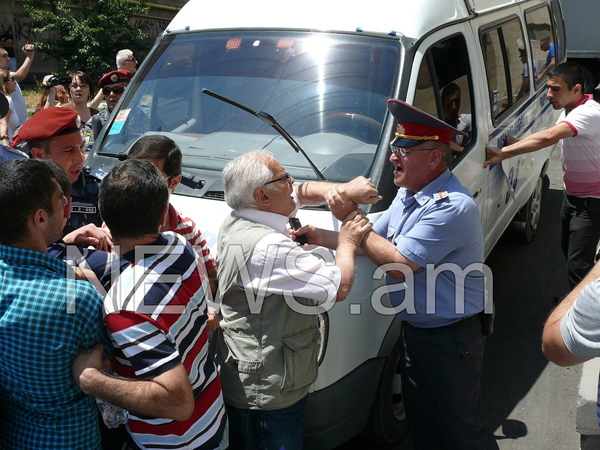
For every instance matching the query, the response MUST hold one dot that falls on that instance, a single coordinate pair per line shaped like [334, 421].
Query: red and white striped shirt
[155, 312]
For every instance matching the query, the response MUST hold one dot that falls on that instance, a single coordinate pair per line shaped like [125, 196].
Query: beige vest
[267, 352]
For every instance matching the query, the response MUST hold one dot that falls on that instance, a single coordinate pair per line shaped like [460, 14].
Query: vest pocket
[300, 359]
[243, 352]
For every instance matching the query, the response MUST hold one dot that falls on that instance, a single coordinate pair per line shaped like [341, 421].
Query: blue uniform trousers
[441, 371]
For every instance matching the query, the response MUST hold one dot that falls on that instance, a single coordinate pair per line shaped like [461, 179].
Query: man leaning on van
[578, 130]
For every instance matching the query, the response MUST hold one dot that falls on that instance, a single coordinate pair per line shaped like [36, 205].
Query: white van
[324, 71]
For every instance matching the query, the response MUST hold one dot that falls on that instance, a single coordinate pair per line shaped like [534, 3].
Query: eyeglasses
[117, 90]
[81, 86]
[131, 60]
[405, 151]
[287, 177]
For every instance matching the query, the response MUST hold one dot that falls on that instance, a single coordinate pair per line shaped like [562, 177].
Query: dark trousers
[580, 233]
[441, 372]
[251, 429]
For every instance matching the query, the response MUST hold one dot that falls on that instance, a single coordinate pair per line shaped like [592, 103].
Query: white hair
[122, 55]
[243, 175]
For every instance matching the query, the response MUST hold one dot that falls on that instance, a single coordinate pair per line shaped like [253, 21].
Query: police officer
[112, 85]
[55, 133]
[431, 243]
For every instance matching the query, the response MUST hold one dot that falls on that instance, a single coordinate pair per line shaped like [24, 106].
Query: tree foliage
[85, 34]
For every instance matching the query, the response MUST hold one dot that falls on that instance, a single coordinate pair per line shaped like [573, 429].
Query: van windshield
[328, 91]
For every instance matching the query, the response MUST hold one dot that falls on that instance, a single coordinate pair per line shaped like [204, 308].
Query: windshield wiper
[122, 156]
[269, 120]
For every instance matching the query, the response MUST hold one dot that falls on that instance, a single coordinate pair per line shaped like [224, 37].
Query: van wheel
[387, 421]
[528, 218]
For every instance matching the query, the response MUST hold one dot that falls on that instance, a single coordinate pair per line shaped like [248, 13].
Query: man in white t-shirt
[578, 130]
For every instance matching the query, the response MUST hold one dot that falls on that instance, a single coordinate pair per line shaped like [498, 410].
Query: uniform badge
[439, 195]
[400, 129]
[114, 78]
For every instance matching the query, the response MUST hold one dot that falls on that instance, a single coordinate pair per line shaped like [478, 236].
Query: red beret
[416, 126]
[48, 123]
[115, 76]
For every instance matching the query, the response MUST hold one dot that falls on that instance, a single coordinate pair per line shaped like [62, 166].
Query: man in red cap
[432, 237]
[112, 85]
[55, 133]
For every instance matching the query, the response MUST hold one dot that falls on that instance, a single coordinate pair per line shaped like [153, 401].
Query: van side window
[507, 65]
[444, 88]
[542, 42]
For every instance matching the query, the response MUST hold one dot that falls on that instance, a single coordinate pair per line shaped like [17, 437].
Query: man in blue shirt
[46, 317]
[432, 235]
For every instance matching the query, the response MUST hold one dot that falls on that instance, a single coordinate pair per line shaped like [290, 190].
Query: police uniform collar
[427, 193]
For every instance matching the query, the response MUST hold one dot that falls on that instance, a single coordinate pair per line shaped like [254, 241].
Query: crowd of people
[105, 287]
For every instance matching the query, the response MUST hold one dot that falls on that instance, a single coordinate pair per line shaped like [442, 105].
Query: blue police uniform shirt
[84, 203]
[8, 153]
[436, 226]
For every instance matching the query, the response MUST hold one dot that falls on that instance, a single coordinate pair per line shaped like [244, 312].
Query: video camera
[55, 81]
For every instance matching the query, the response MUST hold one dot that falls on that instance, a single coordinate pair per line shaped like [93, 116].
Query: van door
[442, 84]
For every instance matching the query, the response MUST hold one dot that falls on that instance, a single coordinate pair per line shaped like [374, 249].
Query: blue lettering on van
[513, 181]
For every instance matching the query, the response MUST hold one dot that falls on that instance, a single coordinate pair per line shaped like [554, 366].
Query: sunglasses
[117, 90]
[287, 177]
[75, 86]
[131, 60]
[9, 79]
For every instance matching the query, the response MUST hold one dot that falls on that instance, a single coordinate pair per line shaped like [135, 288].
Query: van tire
[387, 421]
[528, 218]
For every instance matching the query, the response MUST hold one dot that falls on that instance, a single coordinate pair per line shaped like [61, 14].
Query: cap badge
[400, 129]
[114, 78]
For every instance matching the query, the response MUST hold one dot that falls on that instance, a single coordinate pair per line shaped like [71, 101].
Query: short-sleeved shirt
[97, 261]
[186, 227]
[442, 233]
[551, 54]
[84, 203]
[579, 326]
[581, 153]
[155, 312]
[46, 317]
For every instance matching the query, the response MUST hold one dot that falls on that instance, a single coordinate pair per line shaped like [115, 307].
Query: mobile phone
[296, 225]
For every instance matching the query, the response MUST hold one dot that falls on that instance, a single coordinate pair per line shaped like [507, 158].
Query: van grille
[215, 195]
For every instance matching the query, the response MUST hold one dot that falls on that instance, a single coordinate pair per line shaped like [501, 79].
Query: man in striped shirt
[164, 153]
[155, 312]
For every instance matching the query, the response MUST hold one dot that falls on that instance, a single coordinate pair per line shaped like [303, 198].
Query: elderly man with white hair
[269, 286]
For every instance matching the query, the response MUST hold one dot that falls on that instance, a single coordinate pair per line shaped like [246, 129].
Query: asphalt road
[529, 402]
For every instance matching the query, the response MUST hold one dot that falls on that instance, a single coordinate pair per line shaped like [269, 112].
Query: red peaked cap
[48, 123]
[115, 76]
[416, 126]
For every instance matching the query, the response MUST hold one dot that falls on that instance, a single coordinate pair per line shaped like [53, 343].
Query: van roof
[413, 18]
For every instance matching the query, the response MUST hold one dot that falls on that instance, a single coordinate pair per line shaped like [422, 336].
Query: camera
[55, 81]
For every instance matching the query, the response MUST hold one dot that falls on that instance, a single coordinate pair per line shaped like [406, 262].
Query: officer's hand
[89, 359]
[354, 228]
